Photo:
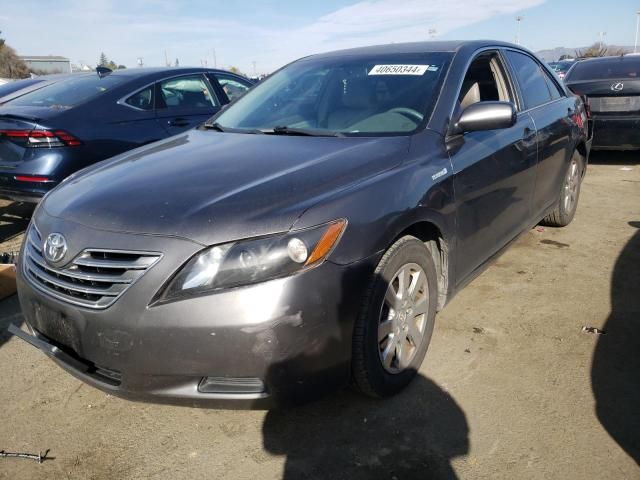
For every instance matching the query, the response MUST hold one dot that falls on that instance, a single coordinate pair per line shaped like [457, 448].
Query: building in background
[43, 65]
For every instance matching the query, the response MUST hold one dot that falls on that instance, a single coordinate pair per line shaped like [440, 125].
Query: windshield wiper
[216, 126]
[306, 132]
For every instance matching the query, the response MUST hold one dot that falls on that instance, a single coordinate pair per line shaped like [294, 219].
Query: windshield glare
[68, 93]
[363, 95]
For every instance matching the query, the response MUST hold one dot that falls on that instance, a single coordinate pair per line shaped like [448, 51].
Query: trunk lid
[20, 119]
[610, 96]
[12, 152]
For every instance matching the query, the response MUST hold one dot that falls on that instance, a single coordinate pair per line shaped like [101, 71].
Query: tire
[410, 320]
[565, 209]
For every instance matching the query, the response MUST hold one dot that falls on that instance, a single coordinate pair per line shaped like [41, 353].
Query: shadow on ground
[413, 435]
[9, 313]
[600, 157]
[615, 373]
[14, 219]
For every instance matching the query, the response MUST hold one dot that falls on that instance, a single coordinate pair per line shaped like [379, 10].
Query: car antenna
[103, 71]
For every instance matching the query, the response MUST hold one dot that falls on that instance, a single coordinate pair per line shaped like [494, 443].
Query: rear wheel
[394, 328]
[565, 210]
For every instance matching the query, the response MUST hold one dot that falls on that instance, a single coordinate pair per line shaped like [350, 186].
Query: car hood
[213, 187]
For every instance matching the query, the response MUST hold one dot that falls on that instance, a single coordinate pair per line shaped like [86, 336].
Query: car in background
[610, 88]
[562, 67]
[306, 235]
[53, 131]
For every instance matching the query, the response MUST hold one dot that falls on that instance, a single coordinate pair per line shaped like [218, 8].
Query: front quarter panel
[379, 209]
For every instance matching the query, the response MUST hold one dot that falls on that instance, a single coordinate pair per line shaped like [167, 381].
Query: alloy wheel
[571, 186]
[403, 318]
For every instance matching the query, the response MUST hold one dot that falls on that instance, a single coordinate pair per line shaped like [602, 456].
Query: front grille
[94, 279]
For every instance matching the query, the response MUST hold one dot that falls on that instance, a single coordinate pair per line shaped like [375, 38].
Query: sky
[227, 33]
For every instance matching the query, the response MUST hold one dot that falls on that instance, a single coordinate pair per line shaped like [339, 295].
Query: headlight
[254, 260]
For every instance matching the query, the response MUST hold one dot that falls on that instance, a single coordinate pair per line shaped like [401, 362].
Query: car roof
[420, 47]
[154, 71]
[617, 58]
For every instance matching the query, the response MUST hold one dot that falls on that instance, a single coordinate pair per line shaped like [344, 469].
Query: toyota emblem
[55, 247]
[617, 87]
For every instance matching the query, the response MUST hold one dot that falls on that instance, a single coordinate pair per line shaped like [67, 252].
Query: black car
[307, 235]
[53, 131]
[610, 87]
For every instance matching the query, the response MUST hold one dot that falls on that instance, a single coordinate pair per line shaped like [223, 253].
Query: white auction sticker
[398, 70]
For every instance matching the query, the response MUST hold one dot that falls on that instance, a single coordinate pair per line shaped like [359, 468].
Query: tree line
[11, 66]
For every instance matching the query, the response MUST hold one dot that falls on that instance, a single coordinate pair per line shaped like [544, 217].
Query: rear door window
[533, 84]
[70, 92]
[189, 92]
[142, 100]
[233, 87]
[554, 89]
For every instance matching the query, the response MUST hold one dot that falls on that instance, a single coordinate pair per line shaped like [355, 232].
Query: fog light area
[231, 385]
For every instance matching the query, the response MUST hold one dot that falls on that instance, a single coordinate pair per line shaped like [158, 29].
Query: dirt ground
[511, 387]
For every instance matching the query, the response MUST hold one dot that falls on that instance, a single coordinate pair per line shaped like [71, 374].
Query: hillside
[553, 54]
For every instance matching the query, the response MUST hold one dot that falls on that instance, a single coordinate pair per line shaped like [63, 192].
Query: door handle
[528, 133]
[178, 122]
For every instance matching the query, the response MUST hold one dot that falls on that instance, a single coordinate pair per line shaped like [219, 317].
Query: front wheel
[394, 328]
[567, 205]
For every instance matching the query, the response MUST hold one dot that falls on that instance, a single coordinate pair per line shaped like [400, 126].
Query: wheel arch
[582, 149]
[432, 236]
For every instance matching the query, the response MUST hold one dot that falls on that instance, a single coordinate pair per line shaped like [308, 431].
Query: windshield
[618, 67]
[68, 93]
[16, 85]
[350, 95]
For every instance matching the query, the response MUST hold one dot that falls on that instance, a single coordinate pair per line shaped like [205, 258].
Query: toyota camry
[305, 237]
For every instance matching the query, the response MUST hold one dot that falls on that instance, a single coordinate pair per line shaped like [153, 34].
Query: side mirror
[486, 116]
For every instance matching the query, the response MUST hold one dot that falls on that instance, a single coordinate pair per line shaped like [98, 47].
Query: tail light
[41, 138]
[32, 178]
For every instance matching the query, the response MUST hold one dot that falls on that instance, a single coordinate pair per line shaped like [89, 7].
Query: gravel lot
[511, 387]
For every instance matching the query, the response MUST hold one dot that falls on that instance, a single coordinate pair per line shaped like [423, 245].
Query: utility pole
[166, 59]
[635, 45]
[215, 59]
[519, 19]
[255, 72]
[602, 34]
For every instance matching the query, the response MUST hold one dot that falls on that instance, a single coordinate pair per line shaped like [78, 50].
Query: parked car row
[300, 239]
[51, 127]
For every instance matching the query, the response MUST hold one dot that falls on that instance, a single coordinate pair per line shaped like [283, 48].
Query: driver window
[484, 81]
[187, 92]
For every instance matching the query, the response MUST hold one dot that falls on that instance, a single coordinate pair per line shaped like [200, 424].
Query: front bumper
[616, 133]
[293, 334]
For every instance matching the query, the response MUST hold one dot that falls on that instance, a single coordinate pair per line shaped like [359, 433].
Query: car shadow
[415, 434]
[9, 313]
[14, 219]
[615, 371]
[606, 157]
